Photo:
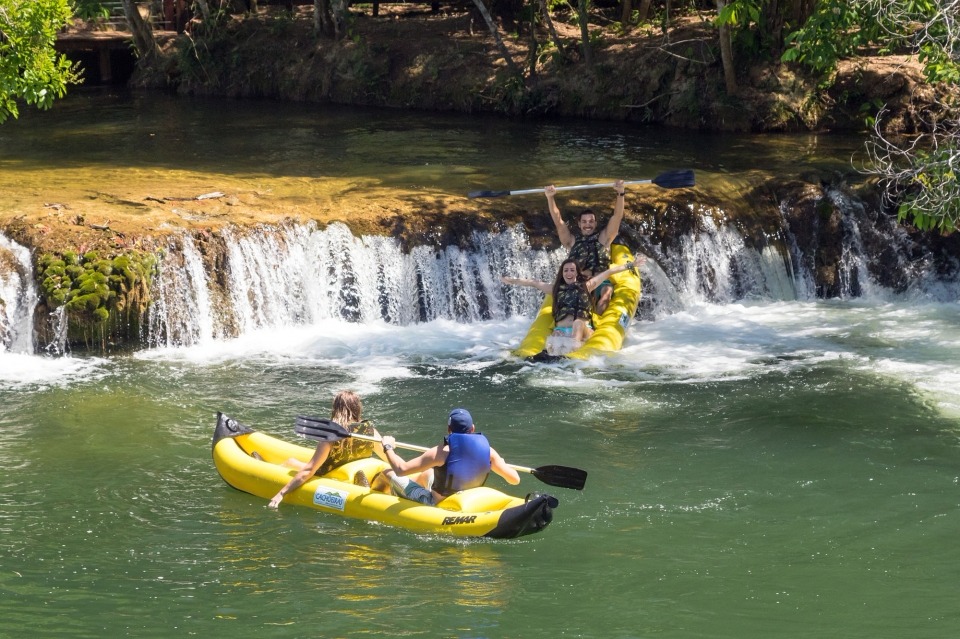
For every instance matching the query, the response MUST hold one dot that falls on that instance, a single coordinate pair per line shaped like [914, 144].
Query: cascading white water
[237, 282]
[181, 312]
[18, 298]
[801, 266]
[716, 266]
[881, 260]
[299, 274]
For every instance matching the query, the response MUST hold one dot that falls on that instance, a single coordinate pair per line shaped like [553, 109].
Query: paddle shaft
[669, 180]
[423, 449]
[579, 187]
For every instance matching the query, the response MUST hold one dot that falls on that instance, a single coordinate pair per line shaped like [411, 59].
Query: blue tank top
[467, 465]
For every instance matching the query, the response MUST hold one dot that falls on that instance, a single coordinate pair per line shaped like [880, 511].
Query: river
[758, 467]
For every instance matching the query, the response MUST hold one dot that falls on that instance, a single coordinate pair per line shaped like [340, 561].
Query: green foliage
[90, 9]
[840, 28]
[749, 24]
[835, 30]
[740, 13]
[868, 111]
[923, 181]
[932, 201]
[938, 65]
[30, 69]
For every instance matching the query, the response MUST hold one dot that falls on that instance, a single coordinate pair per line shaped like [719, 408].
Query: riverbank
[411, 59]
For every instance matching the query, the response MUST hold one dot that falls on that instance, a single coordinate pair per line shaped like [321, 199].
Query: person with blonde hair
[347, 411]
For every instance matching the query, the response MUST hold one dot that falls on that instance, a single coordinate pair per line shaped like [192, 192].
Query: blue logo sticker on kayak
[624, 320]
[330, 498]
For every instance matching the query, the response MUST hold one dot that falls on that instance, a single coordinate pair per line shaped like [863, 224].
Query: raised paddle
[326, 430]
[669, 180]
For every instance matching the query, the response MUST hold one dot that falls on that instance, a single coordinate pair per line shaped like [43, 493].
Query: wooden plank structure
[104, 51]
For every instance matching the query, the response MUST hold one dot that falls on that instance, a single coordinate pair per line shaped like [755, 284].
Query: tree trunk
[644, 10]
[534, 46]
[321, 18]
[626, 13]
[511, 65]
[142, 31]
[553, 31]
[338, 11]
[726, 54]
[584, 31]
[772, 18]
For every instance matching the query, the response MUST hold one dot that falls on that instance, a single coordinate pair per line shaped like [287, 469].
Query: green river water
[766, 469]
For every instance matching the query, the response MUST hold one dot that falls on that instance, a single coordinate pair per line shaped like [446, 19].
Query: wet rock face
[850, 239]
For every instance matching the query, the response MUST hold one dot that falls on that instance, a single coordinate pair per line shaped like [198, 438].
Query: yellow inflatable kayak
[609, 328]
[477, 512]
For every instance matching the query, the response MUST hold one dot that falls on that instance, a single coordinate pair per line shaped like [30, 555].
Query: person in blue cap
[463, 460]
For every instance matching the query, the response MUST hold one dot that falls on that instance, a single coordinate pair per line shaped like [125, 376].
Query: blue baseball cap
[460, 421]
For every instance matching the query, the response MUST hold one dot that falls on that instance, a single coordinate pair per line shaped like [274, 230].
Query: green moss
[100, 294]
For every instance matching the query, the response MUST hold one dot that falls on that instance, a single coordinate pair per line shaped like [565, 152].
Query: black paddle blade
[675, 179]
[562, 476]
[320, 429]
[476, 194]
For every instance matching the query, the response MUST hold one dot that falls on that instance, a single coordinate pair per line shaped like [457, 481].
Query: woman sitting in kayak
[347, 411]
[572, 302]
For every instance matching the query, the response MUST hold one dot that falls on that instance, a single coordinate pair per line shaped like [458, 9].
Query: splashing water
[300, 275]
[18, 298]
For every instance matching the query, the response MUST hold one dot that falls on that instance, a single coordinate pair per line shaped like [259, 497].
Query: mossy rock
[103, 295]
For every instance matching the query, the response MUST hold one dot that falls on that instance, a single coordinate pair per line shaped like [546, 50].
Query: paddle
[668, 180]
[326, 430]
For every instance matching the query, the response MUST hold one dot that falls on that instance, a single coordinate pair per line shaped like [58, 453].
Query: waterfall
[181, 312]
[880, 259]
[298, 274]
[216, 285]
[274, 277]
[801, 265]
[18, 298]
[715, 266]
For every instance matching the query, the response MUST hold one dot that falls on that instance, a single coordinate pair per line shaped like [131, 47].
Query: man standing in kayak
[592, 248]
[462, 461]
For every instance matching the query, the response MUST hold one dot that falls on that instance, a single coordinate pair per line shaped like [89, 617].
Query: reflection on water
[113, 138]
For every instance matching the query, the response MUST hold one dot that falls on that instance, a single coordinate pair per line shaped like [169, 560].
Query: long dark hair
[581, 281]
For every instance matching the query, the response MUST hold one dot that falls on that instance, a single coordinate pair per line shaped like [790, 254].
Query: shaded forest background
[661, 62]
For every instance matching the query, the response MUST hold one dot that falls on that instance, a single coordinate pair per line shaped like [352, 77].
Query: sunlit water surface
[780, 469]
